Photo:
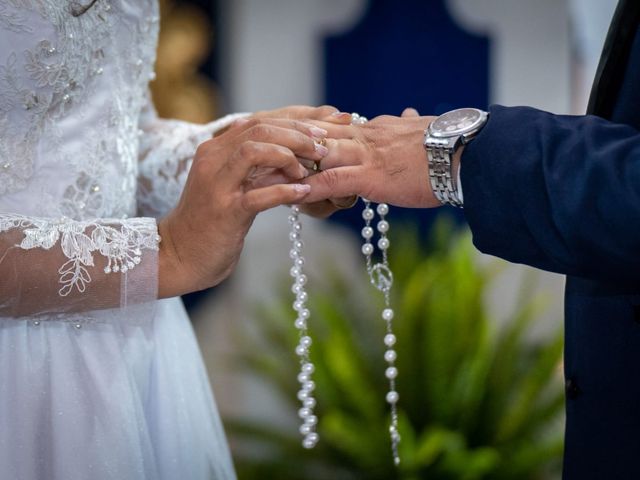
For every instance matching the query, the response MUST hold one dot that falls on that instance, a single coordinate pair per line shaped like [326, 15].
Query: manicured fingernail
[321, 149]
[302, 188]
[318, 132]
[339, 114]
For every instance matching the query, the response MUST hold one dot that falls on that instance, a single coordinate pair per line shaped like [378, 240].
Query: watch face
[456, 122]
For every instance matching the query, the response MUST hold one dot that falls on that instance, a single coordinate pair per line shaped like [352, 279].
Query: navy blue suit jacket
[562, 193]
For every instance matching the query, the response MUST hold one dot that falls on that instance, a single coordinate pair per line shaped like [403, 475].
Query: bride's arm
[52, 266]
[60, 266]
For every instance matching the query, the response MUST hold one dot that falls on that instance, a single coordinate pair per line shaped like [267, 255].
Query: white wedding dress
[98, 379]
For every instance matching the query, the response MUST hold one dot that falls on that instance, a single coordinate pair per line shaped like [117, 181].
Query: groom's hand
[383, 160]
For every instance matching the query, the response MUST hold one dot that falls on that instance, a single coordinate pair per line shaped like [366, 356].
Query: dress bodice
[73, 83]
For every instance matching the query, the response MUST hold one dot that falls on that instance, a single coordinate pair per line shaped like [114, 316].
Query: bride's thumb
[410, 112]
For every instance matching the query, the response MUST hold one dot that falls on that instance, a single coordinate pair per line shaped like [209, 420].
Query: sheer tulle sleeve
[166, 151]
[61, 266]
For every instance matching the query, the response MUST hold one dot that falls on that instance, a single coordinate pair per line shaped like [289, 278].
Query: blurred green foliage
[476, 401]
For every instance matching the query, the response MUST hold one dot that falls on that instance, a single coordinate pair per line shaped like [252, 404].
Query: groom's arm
[561, 193]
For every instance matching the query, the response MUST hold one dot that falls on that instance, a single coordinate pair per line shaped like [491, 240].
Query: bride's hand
[324, 113]
[203, 236]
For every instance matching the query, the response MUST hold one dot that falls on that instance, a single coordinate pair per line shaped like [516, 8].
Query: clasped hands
[259, 162]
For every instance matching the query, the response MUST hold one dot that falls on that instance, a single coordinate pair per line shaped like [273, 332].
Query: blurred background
[479, 340]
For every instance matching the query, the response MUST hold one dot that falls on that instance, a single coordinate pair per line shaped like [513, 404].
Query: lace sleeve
[62, 266]
[166, 151]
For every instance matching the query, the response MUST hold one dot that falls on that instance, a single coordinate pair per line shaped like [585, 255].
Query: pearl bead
[78, 326]
[305, 429]
[309, 402]
[383, 226]
[107, 270]
[297, 227]
[295, 288]
[367, 249]
[390, 355]
[303, 377]
[383, 243]
[305, 313]
[36, 323]
[387, 314]
[293, 236]
[298, 245]
[392, 397]
[298, 305]
[301, 279]
[383, 209]
[301, 350]
[305, 341]
[367, 232]
[308, 368]
[308, 443]
[309, 386]
[302, 296]
[295, 209]
[367, 214]
[391, 373]
[311, 420]
[293, 253]
[389, 339]
[303, 395]
[292, 219]
[304, 412]
[299, 262]
[294, 272]
[300, 324]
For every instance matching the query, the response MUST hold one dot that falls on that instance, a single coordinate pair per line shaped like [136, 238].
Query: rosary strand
[381, 278]
[307, 385]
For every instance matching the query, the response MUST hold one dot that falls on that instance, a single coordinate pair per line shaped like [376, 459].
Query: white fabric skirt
[103, 398]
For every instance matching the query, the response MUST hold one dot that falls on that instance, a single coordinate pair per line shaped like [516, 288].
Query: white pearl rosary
[381, 278]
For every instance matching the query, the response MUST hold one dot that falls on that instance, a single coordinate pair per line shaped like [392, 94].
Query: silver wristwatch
[441, 139]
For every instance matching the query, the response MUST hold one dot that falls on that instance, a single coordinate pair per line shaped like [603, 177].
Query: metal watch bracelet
[443, 181]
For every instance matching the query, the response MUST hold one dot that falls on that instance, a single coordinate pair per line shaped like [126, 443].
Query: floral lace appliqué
[120, 241]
